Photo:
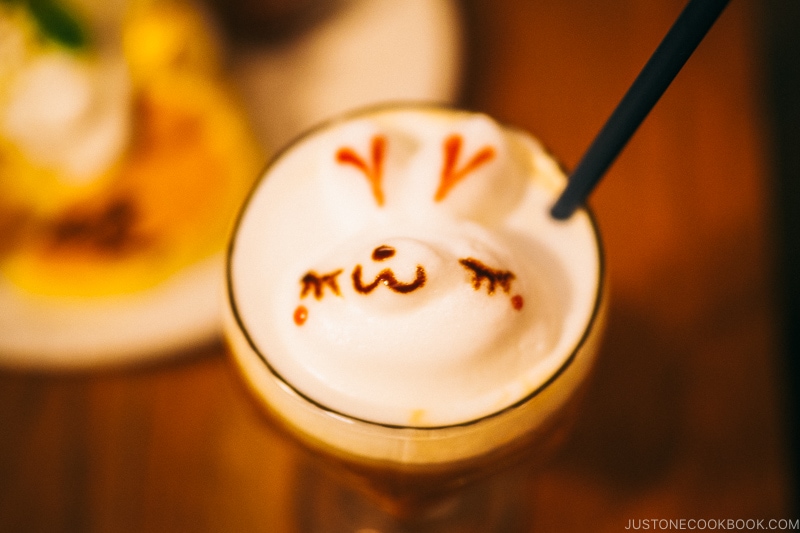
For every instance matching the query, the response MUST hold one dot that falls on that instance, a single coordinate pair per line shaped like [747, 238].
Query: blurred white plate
[371, 51]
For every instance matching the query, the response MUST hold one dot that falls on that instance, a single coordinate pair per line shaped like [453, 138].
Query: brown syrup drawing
[300, 315]
[312, 280]
[450, 174]
[386, 277]
[493, 278]
[372, 171]
[382, 253]
[316, 282]
[481, 273]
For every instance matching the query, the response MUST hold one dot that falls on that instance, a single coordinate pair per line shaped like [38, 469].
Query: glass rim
[289, 387]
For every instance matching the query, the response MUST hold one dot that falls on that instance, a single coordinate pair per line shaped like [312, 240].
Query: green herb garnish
[56, 22]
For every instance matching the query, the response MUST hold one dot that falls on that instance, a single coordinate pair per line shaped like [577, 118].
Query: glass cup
[362, 474]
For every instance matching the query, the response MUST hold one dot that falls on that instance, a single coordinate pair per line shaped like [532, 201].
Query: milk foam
[402, 268]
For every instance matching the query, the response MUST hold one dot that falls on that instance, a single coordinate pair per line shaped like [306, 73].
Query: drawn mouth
[386, 277]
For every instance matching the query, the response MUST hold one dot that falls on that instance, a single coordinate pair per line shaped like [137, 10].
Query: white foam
[443, 352]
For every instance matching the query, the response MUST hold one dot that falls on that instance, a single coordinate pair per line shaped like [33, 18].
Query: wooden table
[686, 417]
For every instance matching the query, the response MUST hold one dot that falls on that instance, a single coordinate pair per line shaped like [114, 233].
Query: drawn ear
[451, 172]
[477, 173]
[351, 170]
[369, 161]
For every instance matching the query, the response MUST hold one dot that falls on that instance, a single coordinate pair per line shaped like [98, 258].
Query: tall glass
[369, 474]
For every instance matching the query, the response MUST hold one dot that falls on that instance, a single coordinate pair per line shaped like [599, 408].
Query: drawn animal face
[459, 160]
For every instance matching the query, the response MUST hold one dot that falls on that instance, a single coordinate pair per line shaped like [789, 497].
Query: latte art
[401, 268]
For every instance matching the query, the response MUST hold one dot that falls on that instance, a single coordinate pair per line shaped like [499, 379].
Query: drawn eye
[493, 277]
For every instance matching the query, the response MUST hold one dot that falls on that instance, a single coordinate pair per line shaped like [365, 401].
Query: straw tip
[562, 210]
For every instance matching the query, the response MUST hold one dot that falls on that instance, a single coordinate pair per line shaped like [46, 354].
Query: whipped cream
[401, 268]
[69, 113]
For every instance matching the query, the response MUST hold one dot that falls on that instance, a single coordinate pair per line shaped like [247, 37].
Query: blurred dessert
[123, 152]
[123, 156]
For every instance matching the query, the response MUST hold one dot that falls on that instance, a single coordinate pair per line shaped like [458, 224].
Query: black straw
[689, 29]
